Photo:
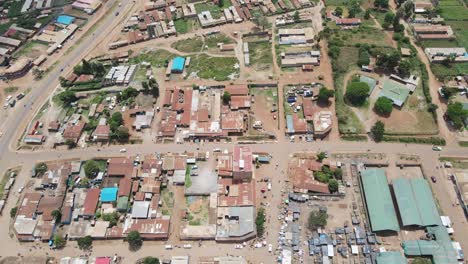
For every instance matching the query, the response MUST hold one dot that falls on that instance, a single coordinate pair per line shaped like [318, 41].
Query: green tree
[333, 185]
[338, 174]
[67, 97]
[220, 3]
[354, 8]
[121, 134]
[381, 3]
[40, 168]
[145, 86]
[457, 114]
[70, 143]
[296, 17]
[128, 93]
[378, 131]
[432, 108]
[13, 212]
[226, 97]
[367, 14]
[324, 95]
[153, 84]
[405, 68]
[115, 121]
[260, 221]
[134, 239]
[383, 106]
[91, 168]
[57, 215]
[85, 243]
[150, 260]
[321, 156]
[59, 241]
[388, 61]
[357, 92]
[260, 20]
[338, 11]
[388, 20]
[364, 56]
[317, 219]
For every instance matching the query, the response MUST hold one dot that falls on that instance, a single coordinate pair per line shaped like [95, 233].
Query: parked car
[123, 150]
[433, 178]
[437, 148]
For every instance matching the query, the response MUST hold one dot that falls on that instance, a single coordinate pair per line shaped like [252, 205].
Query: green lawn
[157, 58]
[188, 45]
[348, 57]
[216, 68]
[454, 12]
[185, 25]
[215, 10]
[260, 55]
[439, 43]
[11, 89]
[28, 47]
[15, 8]
[442, 71]
[460, 29]
[213, 40]
[363, 35]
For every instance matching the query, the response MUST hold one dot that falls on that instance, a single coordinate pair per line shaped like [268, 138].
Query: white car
[238, 246]
[187, 246]
[270, 248]
[20, 190]
[437, 148]
[123, 150]
[168, 247]
[217, 150]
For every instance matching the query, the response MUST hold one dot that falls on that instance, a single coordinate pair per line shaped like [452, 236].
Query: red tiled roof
[308, 108]
[202, 115]
[150, 185]
[73, 132]
[91, 201]
[231, 193]
[120, 167]
[237, 89]
[125, 187]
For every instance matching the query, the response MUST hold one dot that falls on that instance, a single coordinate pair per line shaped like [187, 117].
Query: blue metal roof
[178, 64]
[64, 19]
[109, 194]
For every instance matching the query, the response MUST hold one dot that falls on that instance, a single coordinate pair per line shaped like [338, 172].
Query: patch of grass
[216, 68]
[4, 181]
[5, 26]
[185, 25]
[348, 122]
[215, 10]
[349, 56]
[463, 144]
[439, 43]
[27, 48]
[460, 28]
[213, 40]
[416, 140]
[260, 55]
[363, 35]
[158, 58]
[188, 179]
[188, 45]
[454, 12]
[442, 71]
[350, 137]
[15, 8]
[11, 89]
[195, 222]
[459, 164]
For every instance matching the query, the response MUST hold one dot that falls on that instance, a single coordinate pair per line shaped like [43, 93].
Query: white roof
[140, 209]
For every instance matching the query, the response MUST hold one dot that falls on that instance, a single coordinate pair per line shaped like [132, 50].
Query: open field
[260, 55]
[157, 58]
[188, 45]
[185, 25]
[31, 49]
[363, 35]
[442, 71]
[216, 68]
[215, 10]
[460, 29]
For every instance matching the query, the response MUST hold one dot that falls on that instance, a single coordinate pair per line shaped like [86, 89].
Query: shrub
[260, 221]
[357, 92]
[317, 219]
[383, 106]
[378, 131]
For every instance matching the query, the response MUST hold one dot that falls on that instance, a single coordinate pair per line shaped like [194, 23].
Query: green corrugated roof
[415, 202]
[440, 249]
[370, 81]
[394, 91]
[122, 203]
[378, 200]
[393, 257]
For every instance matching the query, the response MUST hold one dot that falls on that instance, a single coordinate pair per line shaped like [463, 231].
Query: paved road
[20, 116]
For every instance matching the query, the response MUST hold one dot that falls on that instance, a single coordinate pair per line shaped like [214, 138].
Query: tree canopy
[383, 106]
[67, 97]
[378, 131]
[40, 168]
[226, 97]
[324, 95]
[150, 260]
[91, 168]
[357, 92]
[333, 185]
[134, 240]
[457, 114]
[317, 219]
[85, 243]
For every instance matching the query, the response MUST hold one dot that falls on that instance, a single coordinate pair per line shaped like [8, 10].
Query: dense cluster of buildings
[201, 114]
